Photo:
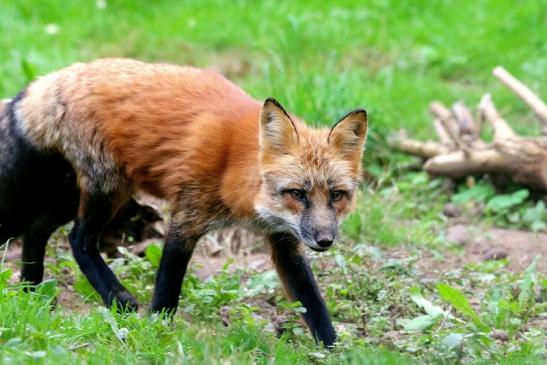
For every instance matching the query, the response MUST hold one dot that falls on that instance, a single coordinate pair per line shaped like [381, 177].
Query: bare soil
[518, 247]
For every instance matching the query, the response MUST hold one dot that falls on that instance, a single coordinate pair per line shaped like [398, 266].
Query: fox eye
[296, 194]
[337, 195]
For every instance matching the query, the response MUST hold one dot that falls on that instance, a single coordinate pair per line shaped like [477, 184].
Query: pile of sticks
[460, 151]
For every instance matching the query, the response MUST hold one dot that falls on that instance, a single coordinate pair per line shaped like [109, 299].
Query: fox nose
[325, 240]
[325, 243]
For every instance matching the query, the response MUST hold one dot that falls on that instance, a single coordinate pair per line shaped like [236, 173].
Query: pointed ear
[349, 133]
[277, 130]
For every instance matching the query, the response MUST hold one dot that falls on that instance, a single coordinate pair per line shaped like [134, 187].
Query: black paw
[124, 301]
[327, 337]
[329, 342]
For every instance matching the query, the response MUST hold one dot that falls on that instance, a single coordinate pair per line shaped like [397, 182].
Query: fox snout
[321, 239]
[325, 239]
[319, 228]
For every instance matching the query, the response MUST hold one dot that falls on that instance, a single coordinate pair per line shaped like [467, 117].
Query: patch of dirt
[518, 247]
[206, 266]
[68, 300]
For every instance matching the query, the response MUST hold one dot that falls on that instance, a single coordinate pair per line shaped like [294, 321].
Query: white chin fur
[278, 223]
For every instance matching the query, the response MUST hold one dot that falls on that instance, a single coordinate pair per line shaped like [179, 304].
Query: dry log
[461, 153]
[524, 161]
[457, 164]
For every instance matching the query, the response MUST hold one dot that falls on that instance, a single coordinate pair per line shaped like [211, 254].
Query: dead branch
[469, 131]
[442, 133]
[443, 114]
[523, 92]
[488, 111]
[458, 165]
[464, 118]
[461, 153]
[425, 149]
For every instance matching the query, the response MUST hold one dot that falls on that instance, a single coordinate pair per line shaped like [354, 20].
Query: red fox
[83, 139]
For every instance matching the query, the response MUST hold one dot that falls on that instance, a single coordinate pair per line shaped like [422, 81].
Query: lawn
[399, 289]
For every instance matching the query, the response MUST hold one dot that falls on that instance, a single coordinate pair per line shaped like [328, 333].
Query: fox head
[309, 176]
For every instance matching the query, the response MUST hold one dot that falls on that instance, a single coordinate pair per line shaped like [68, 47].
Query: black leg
[95, 212]
[60, 208]
[177, 252]
[34, 248]
[297, 276]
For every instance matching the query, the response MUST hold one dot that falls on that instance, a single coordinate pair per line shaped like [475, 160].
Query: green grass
[372, 299]
[320, 61]
[402, 212]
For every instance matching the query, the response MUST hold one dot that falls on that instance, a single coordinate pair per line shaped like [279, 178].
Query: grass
[320, 61]
[385, 309]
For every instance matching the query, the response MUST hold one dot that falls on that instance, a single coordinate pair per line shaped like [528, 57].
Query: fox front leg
[297, 277]
[177, 253]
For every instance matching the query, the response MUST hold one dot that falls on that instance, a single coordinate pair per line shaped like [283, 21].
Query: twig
[449, 123]
[442, 133]
[463, 116]
[522, 91]
[502, 130]
[417, 148]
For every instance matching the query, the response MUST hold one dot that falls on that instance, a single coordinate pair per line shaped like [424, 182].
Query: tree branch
[501, 129]
[523, 92]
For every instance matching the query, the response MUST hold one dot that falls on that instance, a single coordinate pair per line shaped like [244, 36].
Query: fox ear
[349, 133]
[277, 130]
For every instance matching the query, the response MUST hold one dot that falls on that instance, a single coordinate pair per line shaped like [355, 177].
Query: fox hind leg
[60, 208]
[95, 211]
[297, 277]
[34, 248]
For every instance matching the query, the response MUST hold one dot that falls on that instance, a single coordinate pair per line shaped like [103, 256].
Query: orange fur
[183, 134]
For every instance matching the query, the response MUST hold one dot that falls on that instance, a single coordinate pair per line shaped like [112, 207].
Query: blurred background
[319, 59]
[409, 233]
